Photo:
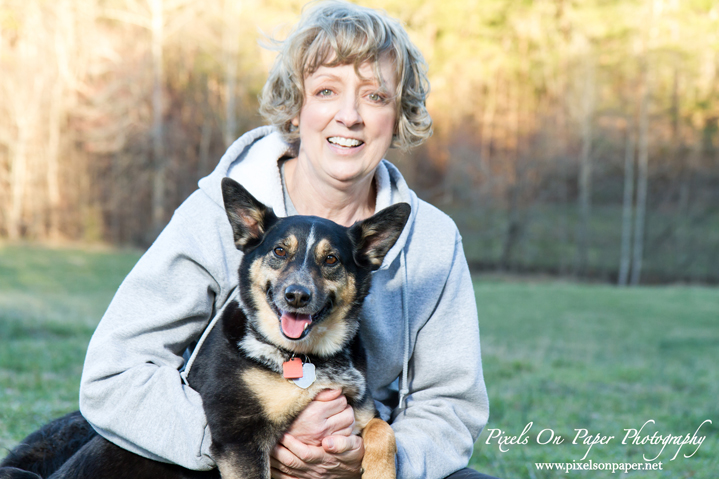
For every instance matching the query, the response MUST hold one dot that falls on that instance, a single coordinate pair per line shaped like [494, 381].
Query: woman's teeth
[346, 142]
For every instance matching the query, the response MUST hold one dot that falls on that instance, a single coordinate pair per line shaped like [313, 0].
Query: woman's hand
[327, 415]
[339, 457]
[320, 444]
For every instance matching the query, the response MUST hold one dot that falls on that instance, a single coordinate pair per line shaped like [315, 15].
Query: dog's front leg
[237, 463]
[380, 449]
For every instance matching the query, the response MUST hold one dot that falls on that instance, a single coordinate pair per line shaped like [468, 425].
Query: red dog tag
[292, 369]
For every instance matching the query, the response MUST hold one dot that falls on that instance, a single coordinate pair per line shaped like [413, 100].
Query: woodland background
[578, 138]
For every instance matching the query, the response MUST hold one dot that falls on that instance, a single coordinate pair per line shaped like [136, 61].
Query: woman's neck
[346, 204]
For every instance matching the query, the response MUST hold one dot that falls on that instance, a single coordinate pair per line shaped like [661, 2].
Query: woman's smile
[345, 142]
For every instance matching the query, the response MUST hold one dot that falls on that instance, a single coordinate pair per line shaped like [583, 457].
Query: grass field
[568, 356]
[559, 355]
[50, 302]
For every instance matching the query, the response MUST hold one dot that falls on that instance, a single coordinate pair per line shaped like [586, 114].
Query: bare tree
[4, 139]
[67, 53]
[642, 177]
[154, 16]
[518, 186]
[22, 91]
[230, 49]
[157, 26]
[627, 205]
[585, 159]
[650, 32]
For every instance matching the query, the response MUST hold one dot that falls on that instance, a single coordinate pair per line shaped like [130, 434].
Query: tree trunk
[684, 173]
[230, 47]
[487, 134]
[585, 163]
[158, 152]
[64, 34]
[627, 205]
[203, 162]
[642, 179]
[681, 233]
[562, 156]
[4, 200]
[18, 181]
[52, 172]
[515, 221]
[24, 103]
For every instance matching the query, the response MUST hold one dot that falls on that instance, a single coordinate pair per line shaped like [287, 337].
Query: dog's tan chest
[281, 399]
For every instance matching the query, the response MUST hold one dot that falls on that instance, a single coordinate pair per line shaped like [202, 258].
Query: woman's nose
[348, 113]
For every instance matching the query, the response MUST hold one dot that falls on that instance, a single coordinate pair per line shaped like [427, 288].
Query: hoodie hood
[246, 161]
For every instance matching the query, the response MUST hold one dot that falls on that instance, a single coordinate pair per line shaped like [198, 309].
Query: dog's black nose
[297, 296]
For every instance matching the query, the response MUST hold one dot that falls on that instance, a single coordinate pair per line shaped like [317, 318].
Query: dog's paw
[380, 449]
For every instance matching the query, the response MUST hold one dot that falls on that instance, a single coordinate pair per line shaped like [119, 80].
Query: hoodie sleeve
[131, 389]
[447, 404]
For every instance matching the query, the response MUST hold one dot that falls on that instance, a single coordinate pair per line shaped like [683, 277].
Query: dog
[293, 333]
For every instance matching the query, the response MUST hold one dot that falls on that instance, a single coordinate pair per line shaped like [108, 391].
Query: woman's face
[347, 121]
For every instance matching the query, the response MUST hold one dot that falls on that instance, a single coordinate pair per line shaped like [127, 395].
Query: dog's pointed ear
[374, 237]
[249, 218]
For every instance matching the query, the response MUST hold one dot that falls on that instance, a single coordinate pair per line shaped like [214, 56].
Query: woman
[346, 86]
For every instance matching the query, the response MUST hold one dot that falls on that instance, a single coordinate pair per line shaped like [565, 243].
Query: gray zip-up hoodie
[419, 327]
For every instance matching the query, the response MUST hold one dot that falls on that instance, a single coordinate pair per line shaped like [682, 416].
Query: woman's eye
[279, 251]
[324, 92]
[377, 97]
[330, 259]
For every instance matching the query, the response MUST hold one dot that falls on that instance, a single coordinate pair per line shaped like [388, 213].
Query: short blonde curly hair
[339, 33]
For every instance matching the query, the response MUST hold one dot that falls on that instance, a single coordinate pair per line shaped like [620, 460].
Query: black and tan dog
[293, 333]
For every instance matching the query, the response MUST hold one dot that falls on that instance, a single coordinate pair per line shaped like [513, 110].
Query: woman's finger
[328, 394]
[341, 424]
[279, 470]
[331, 407]
[299, 451]
[346, 447]
[283, 459]
[314, 422]
[276, 474]
[344, 432]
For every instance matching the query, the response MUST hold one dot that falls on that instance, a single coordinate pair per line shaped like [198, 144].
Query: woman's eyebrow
[373, 81]
[326, 76]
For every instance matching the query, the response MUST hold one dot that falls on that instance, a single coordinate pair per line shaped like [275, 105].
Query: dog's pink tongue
[293, 324]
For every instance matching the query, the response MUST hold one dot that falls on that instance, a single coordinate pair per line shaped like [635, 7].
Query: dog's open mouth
[293, 324]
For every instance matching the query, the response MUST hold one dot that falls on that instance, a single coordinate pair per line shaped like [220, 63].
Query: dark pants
[469, 474]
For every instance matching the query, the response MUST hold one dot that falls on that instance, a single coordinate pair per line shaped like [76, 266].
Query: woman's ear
[296, 122]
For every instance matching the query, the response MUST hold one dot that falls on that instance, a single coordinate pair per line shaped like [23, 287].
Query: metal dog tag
[292, 369]
[308, 376]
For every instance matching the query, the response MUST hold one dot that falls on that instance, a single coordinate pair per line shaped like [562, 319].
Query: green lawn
[560, 355]
[568, 356]
[50, 302]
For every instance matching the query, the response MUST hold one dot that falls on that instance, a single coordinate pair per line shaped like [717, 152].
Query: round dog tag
[308, 376]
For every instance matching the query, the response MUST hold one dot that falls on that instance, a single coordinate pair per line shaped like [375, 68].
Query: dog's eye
[279, 251]
[330, 259]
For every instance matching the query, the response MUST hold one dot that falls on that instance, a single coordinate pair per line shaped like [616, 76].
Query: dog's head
[303, 278]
